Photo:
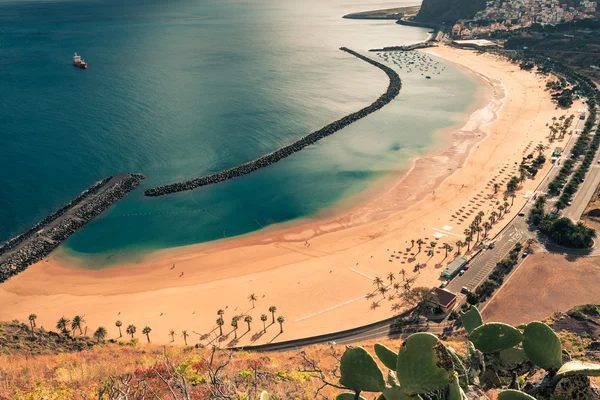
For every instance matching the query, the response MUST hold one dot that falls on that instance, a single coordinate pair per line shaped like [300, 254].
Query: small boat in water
[78, 62]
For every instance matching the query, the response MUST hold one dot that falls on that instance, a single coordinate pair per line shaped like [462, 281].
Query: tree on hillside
[220, 323]
[273, 310]
[63, 325]
[252, 298]
[32, 318]
[100, 334]
[185, 335]
[78, 320]
[131, 329]
[264, 318]
[281, 320]
[234, 324]
[248, 320]
[118, 324]
[146, 331]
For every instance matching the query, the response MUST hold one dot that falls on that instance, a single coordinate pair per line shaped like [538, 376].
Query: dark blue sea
[182, 88]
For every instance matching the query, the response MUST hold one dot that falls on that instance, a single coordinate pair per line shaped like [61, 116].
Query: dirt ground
[544, 284]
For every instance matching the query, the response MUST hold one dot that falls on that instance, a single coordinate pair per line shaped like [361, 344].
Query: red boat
[78, 62]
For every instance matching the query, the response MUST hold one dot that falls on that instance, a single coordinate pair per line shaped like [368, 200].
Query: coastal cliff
[448, 11]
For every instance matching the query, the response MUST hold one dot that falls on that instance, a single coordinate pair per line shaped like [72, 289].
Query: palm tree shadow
[257, 336]
[279, 334]
[233, 342]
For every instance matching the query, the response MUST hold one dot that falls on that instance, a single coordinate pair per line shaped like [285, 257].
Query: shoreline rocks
[38, 241]
[392, 91]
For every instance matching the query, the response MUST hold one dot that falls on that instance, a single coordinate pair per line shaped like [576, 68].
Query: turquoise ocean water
[182, 88]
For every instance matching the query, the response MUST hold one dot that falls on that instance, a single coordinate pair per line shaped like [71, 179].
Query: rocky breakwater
[392, 91]
[38, 241]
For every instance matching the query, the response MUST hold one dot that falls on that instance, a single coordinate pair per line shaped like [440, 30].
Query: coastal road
[584, 194]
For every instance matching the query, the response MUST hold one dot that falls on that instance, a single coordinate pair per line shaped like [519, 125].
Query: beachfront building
[446, 300]
[453, 268]
[478, 44]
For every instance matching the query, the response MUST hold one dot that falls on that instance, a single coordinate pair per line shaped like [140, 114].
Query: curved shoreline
[392, 91]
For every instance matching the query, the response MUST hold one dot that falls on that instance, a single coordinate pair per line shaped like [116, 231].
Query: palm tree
[506, 205]
[412, 243]
[396, 286]
[220, 313]
[32, 318]
[63, 325]
[512, 199]
[383, 290]
[118, 324]
[76, 323]
[420, 243]
[540, 148]
[486, 227]
[264, 318]
[493, 216]
[378, 282]
[496, 187]
[172, 334]
[501, 208]
[248, 320]
[272, 310]
[185, 336]
[100, 334]
[281, 320]
[403, 273]
[467, 233]
[459, 245]
[146, 331]
[220, 322]
[234, 323]
[252, 298]
[391, 277]
[478, 229]
[433, 244]
[447, 247]
[468, 240]
[131, 330]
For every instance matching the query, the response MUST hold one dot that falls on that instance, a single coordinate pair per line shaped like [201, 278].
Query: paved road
[584, 194]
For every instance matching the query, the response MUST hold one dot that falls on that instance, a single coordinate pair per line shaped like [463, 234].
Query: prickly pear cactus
[455, 392]
[495, 336]
[360, 371]
[542, 346]
[424, 364]
[514, 395]
[471, 319]
[459, 367]
[388, 357]
[578, 368]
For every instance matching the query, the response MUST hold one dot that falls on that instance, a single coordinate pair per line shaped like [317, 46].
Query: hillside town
[503, 15]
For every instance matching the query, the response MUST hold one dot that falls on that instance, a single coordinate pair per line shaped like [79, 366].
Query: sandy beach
[319, 272]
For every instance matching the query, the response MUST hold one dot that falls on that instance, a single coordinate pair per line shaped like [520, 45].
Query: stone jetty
[38, 241]
[392, 91]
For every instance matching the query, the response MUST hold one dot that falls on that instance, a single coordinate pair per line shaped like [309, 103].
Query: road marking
[447, 228]
[448, 233]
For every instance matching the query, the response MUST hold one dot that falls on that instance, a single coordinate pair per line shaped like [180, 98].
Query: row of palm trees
[248, 319]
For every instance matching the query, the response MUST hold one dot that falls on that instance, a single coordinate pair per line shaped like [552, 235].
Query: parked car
[521, 214]
[466, 267]
[464, 290]
[525, 253]
[491, 245]
[461, 273]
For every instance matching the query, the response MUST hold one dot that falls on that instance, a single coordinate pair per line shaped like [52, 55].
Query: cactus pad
[387, 356]
[514, 395]
[396, 393]
[495, 336]
[264, 395]
[542, 346]
[360, 371]
[471, 319]
[424, 364]
[578, 368]
[455, 392]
